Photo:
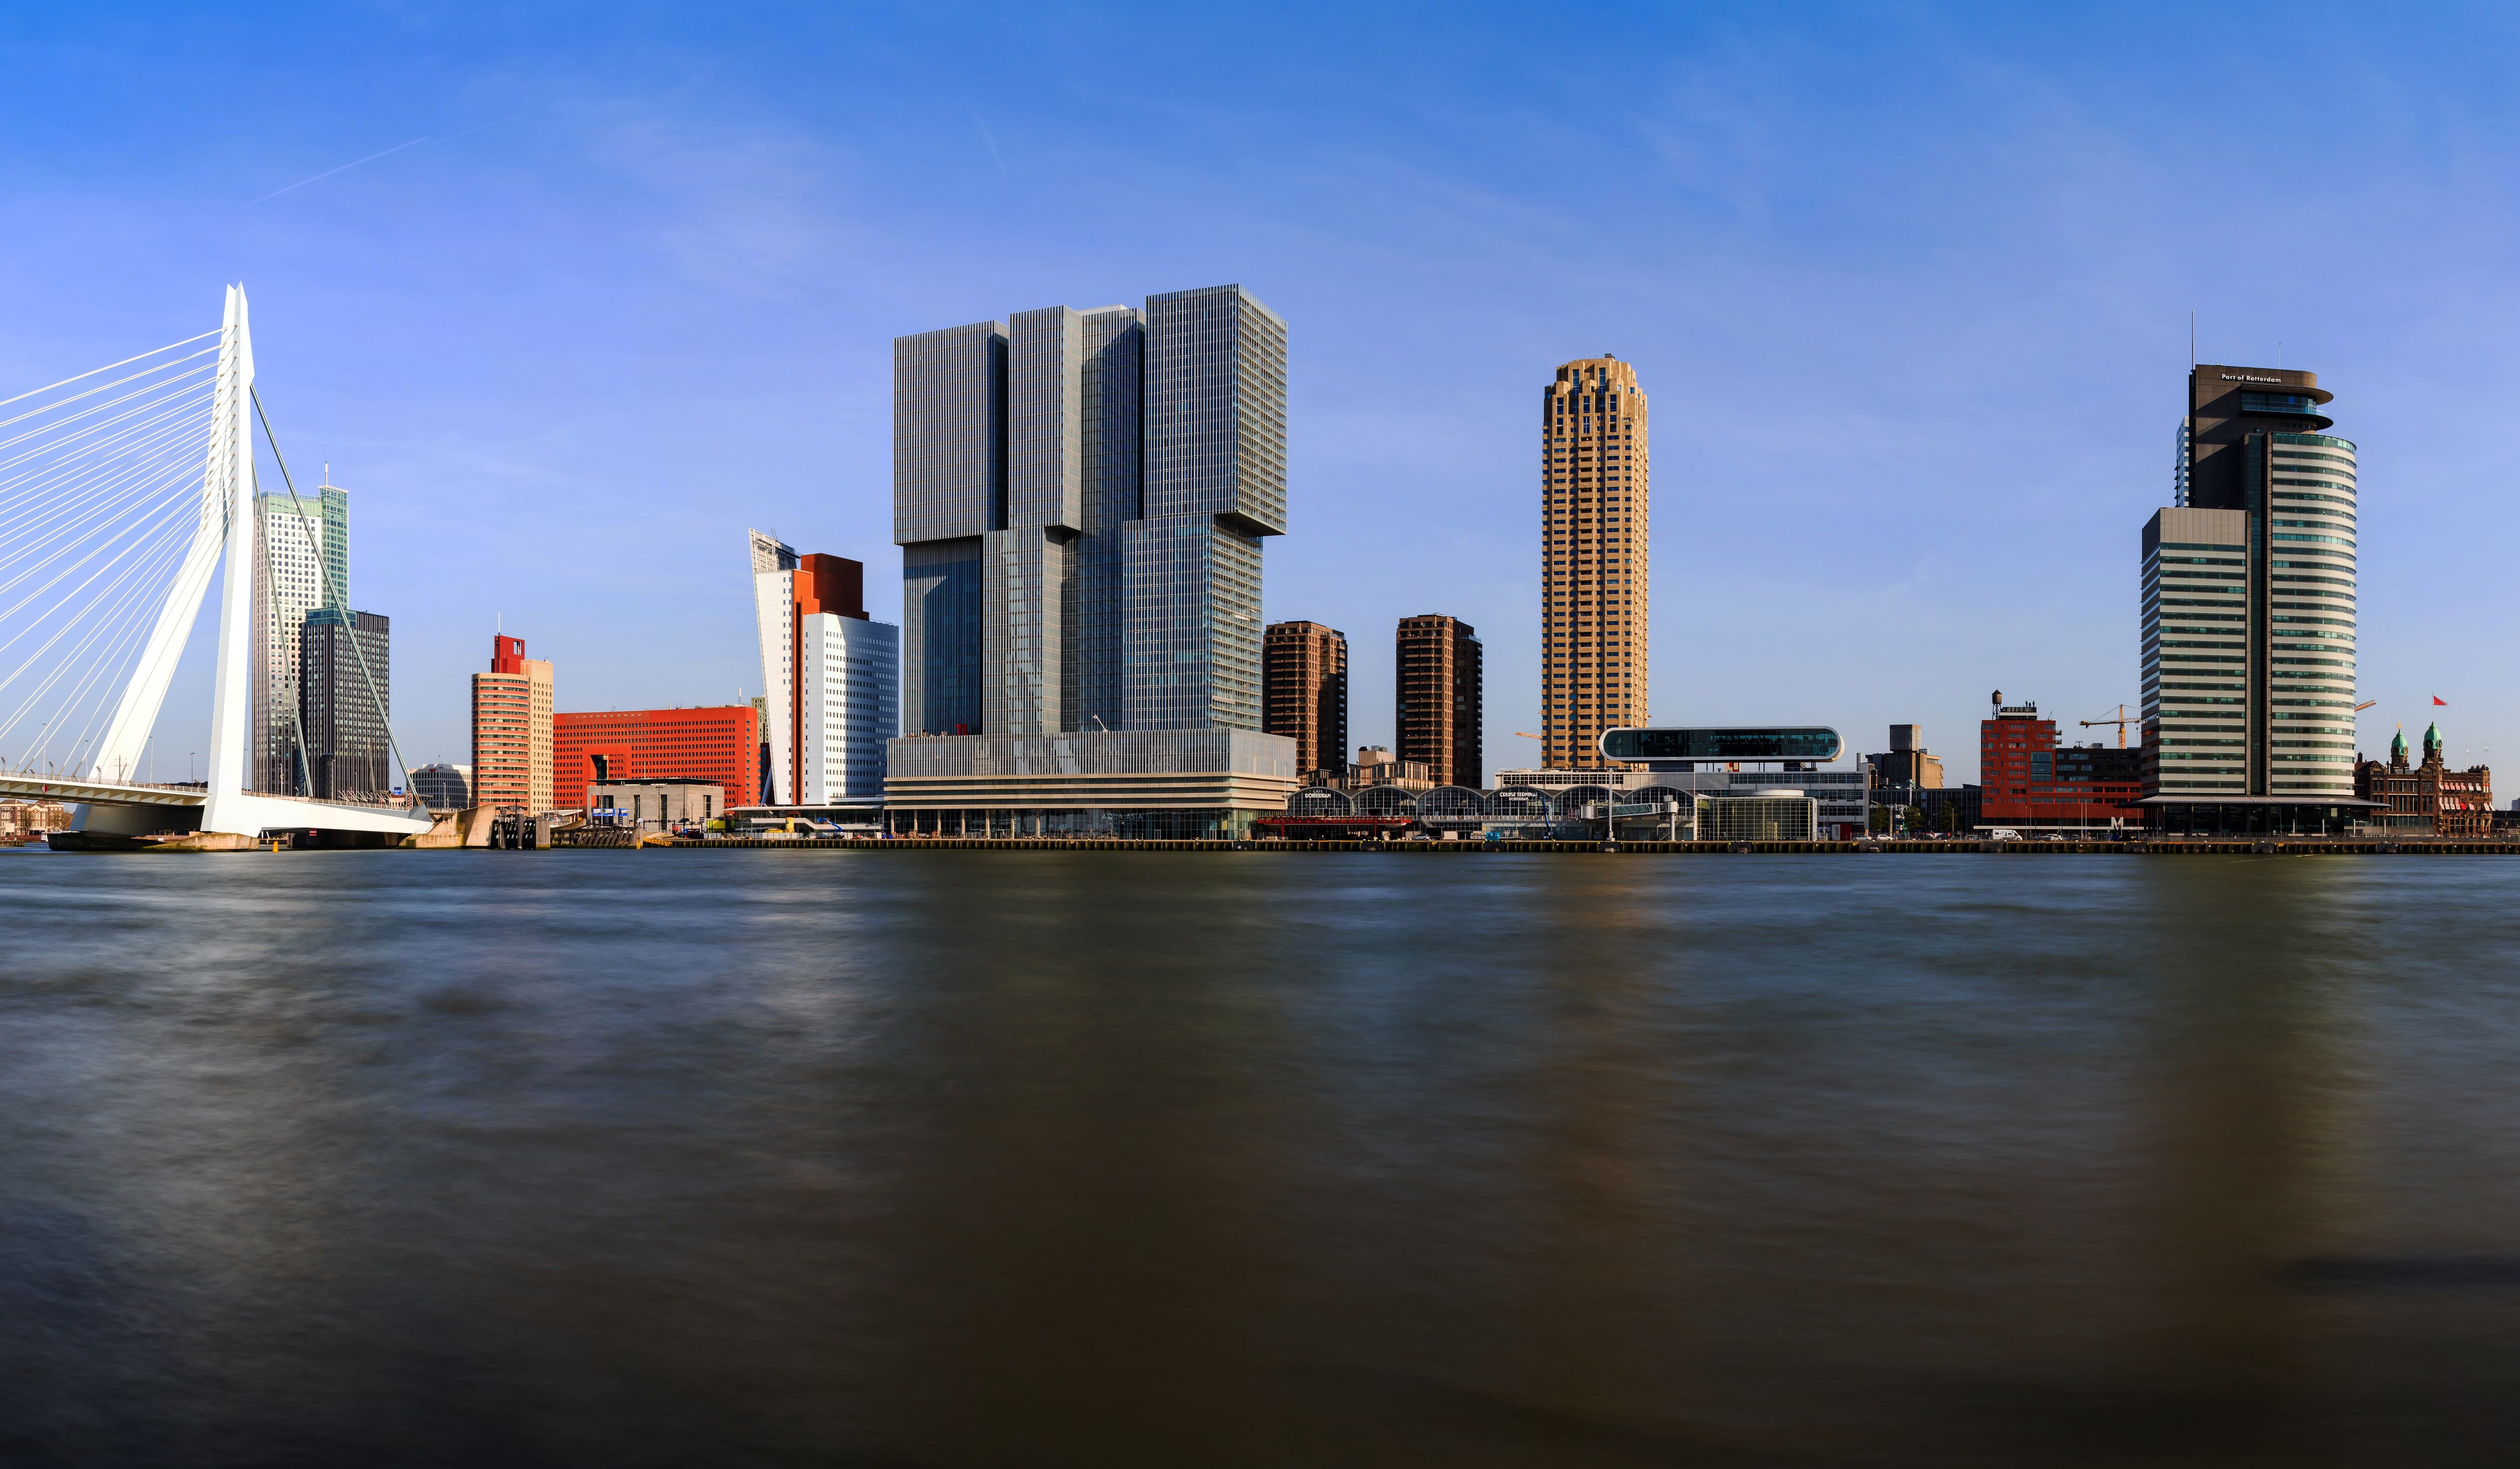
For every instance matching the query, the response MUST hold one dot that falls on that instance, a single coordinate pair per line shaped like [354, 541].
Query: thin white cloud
[345, 168]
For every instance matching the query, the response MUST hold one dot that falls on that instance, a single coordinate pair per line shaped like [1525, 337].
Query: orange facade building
[1594, 498]
[512, 729]
[719, 743]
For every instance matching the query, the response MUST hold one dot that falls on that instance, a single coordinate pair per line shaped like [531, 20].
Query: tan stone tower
[1594, 498]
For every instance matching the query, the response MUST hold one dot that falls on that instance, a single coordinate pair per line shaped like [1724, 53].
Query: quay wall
[2278, 846]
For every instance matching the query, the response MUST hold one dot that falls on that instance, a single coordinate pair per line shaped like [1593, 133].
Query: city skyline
[1837, 350]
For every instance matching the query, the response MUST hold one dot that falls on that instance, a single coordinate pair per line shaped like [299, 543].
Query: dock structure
[2159, 847]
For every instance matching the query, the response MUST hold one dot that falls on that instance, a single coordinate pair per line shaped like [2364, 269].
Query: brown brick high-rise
[1437, 699]
[1593, 502]
[1303, 691]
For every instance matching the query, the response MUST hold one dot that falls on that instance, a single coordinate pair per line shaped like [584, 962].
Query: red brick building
[2032, 783]
[719, 743]
[2430, 797]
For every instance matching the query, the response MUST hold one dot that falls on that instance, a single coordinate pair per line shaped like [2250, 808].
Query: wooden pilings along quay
[2278, 846]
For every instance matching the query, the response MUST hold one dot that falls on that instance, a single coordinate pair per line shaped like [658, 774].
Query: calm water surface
[948, 1159]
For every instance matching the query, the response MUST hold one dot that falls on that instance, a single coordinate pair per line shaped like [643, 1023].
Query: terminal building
[1674, 785]
[2427, 797]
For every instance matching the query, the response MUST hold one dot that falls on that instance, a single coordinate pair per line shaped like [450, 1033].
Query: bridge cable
[111, 366]
[334, 598]
[101, 493]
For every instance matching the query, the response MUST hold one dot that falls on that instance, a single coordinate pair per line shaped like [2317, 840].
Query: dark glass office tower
[2249, 613]
[349, 755]
[1079, 498]
[949, 490]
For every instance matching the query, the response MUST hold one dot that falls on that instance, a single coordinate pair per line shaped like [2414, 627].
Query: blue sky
[1908, 286]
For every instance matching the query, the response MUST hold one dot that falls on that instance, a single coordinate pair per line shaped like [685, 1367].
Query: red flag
[2438, 699]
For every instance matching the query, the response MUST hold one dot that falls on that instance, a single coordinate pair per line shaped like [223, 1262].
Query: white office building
[830, 677]
[288, 554]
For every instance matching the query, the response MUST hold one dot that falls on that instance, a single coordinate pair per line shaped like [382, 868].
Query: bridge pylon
[223, 538]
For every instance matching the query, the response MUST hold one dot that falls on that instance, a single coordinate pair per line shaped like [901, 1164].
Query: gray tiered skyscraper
[1080, 498]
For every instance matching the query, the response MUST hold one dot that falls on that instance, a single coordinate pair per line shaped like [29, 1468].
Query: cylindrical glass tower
[2310, 611]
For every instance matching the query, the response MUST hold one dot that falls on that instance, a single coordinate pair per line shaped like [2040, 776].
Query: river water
[945, 1159]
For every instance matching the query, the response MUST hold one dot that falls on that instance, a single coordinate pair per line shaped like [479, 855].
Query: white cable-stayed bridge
[124, 492]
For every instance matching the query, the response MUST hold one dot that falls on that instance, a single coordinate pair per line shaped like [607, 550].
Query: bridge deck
[71, 790]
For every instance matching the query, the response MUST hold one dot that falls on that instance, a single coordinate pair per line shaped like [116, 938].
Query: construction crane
[2121, 722]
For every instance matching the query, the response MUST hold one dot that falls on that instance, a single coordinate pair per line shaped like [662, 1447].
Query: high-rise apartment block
[1593, 496]
[2248, 612]
[1303, 683]
[345, 697]
[512, 729]
[1080, 500]
[1437, 698]
[830, 678]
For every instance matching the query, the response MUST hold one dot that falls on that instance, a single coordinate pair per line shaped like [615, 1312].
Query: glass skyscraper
[1080, 498]
[2249, 613]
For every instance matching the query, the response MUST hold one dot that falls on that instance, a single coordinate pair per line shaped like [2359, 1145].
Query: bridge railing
[402, 805]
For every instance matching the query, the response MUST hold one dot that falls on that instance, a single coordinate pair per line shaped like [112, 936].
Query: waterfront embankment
[2281, 846]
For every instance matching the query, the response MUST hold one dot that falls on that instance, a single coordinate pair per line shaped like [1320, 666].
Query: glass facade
[1110, 420]
[1218, 825]
[334, 506]
[940, 636]
[1134, 753]
[2248, 621]
[1190, 595]
[288, 554]
[2310, 613]
[1152, 783]
[1080, 498]
[349, 753]
[1811, 743]
[1215, 456]
[949, 433]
